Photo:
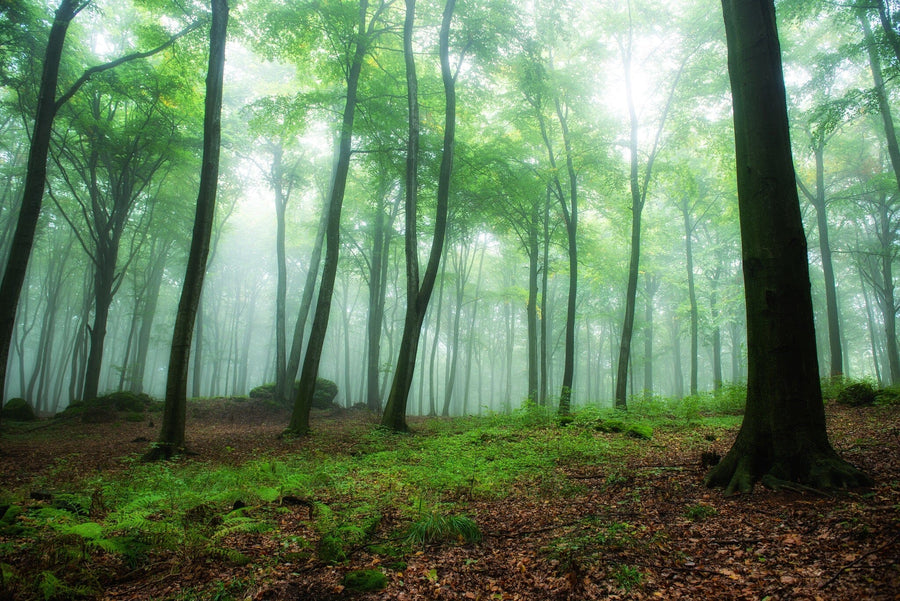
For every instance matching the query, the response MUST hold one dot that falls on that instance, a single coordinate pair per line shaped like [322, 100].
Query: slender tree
[418, 294]
[48, 106]
[171, 438]
[309, 372]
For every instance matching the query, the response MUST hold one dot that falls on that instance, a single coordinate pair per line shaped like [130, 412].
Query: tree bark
[394, 416]
[282, 386]
[782, 437]
[172, 438]
[310, 370]
[35, 182]
[817, 199]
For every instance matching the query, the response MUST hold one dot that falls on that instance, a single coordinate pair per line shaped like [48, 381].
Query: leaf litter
[638, 525]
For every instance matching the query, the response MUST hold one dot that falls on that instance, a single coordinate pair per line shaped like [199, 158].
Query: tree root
[821, 471]
[163, 452]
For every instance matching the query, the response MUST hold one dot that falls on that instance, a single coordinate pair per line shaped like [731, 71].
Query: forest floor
[608, 516]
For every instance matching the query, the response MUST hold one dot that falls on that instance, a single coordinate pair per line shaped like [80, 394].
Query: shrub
[858, 394]
[18, 410]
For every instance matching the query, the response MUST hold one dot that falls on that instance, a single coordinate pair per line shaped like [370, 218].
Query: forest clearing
[596, 505]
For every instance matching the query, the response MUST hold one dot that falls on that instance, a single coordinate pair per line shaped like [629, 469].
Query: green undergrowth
[387, 493]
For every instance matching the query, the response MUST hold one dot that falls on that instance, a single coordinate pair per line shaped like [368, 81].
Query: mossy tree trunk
[783, 437]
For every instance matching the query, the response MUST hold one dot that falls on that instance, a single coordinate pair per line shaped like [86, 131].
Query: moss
[18, 410]
[889, 396]
[858, 394]
[639, 431]
[362, 581]
[323, 397]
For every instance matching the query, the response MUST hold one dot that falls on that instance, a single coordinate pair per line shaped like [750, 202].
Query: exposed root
[293, 434]
[824, 471]
[160, 451]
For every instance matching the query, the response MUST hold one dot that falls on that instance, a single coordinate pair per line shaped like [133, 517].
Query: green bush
[858, 394]
[18, 410]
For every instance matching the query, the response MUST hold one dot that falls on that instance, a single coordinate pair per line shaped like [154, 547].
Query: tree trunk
[150, 301]
[545, 316]
[171, 438]
[282, 386]
[817, 199]
[376, 307]
[889, 304]
[692, 293]
[678, 370]
[310, 370]
[35, 182]
[418, 297]
[531, 308]
[309, 287]
[783, 436]
[651, 286]
[473, 335]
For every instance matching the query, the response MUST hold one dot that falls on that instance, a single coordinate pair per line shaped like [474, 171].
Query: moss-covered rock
[106, 409]
[858, 394]
[325, 393]
[323, 397]
[123, 400]
[362, 581]
[18, 410]
[632, 429]
[888, 396]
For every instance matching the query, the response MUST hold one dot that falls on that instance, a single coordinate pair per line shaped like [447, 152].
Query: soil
[683, 541]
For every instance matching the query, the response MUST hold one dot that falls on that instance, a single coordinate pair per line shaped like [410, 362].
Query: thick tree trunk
[171, 438]
[782, 437]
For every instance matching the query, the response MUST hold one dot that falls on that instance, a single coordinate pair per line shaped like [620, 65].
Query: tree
[171, 437]
[365, 33]
[48, 106]
[639, 187]
[782, 438]
[418, 294]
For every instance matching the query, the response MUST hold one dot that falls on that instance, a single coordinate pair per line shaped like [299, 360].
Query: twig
[860, 558]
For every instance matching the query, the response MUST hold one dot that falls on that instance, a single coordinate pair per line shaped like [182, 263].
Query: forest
[267, 236]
